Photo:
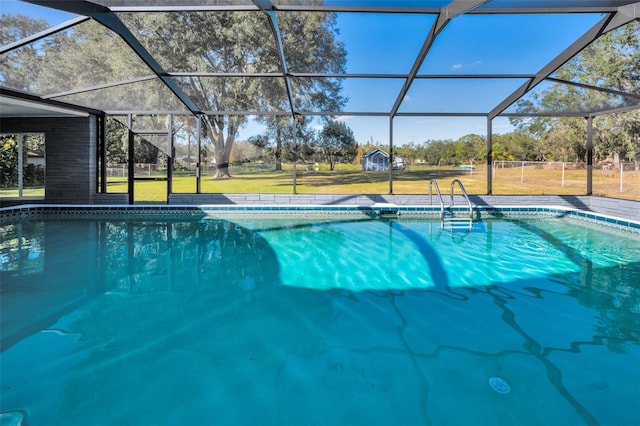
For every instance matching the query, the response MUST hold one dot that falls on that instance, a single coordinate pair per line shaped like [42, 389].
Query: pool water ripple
[318, 322]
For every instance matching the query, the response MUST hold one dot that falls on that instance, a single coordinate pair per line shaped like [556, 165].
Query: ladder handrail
[435, 183]
[464, 194]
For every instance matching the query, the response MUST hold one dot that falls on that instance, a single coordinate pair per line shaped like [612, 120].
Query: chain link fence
[621, 180]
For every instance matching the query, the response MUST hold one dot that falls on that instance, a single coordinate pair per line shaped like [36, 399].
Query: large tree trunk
[222, 164]
[223, 147]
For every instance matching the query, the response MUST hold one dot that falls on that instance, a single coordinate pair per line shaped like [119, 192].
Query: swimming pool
[327, 318]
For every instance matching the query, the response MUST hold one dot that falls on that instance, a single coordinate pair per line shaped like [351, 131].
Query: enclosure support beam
[285, 72]
[596, 88]
[106, 17]
[131, 159]
[295, 152]
[390, 165]
[199, 158]
[447, 13]
[269, 8]
[20, 164]
[489, 156]
[590, 155]
[624, 15]
[102, 156]
[588, 37]
[99, 87]
[35, 37]
[170, 158]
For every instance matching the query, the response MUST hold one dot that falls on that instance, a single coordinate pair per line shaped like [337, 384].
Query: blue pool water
[318, 321]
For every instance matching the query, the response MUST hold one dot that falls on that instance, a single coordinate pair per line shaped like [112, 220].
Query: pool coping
[29, 211]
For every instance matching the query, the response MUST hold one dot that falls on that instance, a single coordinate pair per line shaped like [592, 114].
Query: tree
[19, 68]
[117, 143]
[220, 42]
[337, 142]
[243, 42]
[245, 151]
[519, 146]
[611, 62]
[32, 174]
[440, 152]
[84, 56]
[406, 151]
[8, 161]
[305, 145]
[278, 129]
[147, 152]
[146, 149]
[470, 148]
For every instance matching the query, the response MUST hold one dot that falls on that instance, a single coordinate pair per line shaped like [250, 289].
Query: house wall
[70, 152]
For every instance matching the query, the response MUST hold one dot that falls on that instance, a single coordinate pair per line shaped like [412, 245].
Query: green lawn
[349, 179]
[26, 192]
[346, 181]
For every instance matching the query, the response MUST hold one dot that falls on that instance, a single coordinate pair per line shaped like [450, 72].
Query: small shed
[375, 160]
[378, 160]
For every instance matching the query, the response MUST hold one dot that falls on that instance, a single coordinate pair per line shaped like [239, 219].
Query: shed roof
[375, 152]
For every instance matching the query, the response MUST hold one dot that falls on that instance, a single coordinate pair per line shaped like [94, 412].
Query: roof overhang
[15, 104]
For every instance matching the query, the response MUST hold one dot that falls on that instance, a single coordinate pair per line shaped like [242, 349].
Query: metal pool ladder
[446, 214]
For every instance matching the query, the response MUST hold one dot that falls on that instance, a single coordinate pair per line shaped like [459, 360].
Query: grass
[26, 192]
[349, 179]
[346, 181]
[548, 181]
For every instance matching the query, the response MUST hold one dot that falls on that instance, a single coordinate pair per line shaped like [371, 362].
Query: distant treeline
[473, 149]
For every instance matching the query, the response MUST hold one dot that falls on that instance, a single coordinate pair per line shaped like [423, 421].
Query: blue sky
[472, 44]
[389, 43]
[53, 16]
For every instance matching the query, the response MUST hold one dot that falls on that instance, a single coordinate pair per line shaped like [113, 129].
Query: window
[22, 165]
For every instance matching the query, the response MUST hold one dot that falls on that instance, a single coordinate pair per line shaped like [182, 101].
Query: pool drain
[500, 385]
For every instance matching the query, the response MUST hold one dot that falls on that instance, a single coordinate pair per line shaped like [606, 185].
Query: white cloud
[471, 65]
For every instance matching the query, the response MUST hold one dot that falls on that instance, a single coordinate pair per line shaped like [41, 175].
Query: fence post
[563, 174]
[621, 173]
[522, 173]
